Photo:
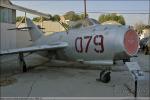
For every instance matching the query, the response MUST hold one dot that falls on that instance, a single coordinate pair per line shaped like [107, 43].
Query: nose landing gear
[104, 76]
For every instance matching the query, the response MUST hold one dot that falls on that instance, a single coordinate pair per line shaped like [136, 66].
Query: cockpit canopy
[83, 23]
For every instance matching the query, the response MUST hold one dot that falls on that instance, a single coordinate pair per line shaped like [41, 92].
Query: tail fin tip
[35, 32]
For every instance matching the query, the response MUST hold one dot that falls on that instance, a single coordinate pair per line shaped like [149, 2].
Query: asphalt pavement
[69, 79]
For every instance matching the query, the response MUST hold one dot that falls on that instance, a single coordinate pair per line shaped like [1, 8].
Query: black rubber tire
[114, 62]
[146, 50]
[126, 60]
[106, 78]
[101, 73]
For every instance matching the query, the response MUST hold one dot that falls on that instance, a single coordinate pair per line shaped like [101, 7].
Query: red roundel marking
[131, 42]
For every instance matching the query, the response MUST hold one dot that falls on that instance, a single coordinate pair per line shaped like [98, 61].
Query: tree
[112, 17]
[55, 18]
[139, 27]
[82, 16]
[19, 18]
[37, 19]
[52, 18]
[72, 16]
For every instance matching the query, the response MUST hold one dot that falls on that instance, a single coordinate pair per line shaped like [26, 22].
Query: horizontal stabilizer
[20, 28]
[23, 28]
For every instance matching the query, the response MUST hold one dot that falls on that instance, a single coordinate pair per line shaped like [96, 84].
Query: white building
[8, 38]
[7, 21]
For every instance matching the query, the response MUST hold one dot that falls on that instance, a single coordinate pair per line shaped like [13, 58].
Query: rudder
[35, 32]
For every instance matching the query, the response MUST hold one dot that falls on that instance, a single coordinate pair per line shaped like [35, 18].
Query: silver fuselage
[98, 42]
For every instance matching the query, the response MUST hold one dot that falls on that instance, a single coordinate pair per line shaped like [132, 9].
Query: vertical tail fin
[35, 32]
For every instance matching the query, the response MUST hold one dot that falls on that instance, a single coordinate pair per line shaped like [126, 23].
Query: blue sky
[115, 6]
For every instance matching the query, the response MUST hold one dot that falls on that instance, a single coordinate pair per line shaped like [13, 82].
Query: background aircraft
[87, 42]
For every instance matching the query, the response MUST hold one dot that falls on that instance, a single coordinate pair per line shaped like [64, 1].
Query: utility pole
[85, 14]
[149, 19]
[149, 14]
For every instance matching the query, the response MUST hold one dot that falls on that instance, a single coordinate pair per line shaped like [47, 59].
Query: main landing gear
[22, 62]
[126, 60]
[104, 76]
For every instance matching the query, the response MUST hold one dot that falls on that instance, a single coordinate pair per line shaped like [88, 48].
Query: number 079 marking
[97, 41]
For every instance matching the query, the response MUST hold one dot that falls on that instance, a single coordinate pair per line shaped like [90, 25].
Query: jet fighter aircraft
[87, 41]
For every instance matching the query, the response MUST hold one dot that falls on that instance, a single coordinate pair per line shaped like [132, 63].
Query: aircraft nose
[131, 42]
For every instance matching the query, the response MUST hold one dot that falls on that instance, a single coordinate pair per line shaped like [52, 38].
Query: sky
[60, 7]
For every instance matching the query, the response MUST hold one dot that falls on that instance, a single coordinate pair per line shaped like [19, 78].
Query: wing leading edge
[54, 46]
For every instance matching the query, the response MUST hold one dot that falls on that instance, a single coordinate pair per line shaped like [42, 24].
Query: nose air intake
[131, 42]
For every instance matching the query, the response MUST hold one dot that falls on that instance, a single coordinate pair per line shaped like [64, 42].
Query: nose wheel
[104, 76]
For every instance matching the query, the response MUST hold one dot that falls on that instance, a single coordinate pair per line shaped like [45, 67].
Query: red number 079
[97, 41]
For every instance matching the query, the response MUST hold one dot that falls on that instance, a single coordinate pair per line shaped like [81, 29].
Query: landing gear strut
[22, 62]
[126, 60]
[104, 76]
